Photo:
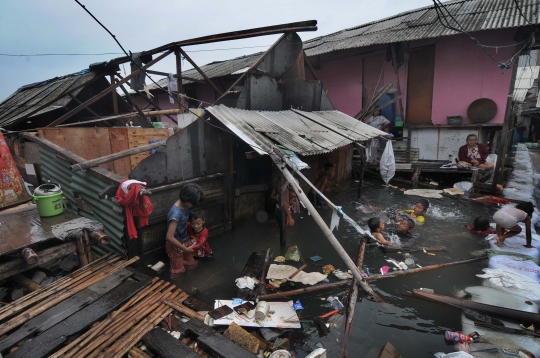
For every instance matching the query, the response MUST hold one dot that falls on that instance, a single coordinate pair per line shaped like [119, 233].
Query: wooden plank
[142, 136]
[213, 341]
[119, 142]
[13, 267]
[50, 340]
[88, 143]
[166, 346]
[420, 84]
[64, 309]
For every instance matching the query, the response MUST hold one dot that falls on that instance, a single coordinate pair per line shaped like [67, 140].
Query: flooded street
[403, 320]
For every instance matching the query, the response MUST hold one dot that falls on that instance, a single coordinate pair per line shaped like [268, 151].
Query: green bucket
[49, 205]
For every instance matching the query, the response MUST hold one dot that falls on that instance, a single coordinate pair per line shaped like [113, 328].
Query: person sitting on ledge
[474, 153]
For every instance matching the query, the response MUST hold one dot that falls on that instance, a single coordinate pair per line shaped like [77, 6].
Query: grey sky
[61, 26]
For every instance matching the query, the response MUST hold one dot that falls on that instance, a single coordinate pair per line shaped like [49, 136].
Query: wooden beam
[198, 70]
[166, 346]
[374, 100]
[16, 266]
[114, 97]
[182, 104]
[105, 92]
[162, 112]
[310, 25]
[394, 58]
[87, 108]
[309, 66]
[87, 164]
[159, 73]
[254, 66]
[141, 115]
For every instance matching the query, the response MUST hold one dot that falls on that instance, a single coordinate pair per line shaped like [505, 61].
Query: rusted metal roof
[27, 98]
[525, 77]
[305, 133]
[235, 66]
[472, 15]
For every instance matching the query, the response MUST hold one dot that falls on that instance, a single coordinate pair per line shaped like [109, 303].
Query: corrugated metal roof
[472, 15]
[29, 97]
[236, 65]
[525, 77]
[305, 133]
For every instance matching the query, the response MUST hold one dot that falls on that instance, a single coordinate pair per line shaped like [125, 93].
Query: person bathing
[418, 211]
[376, 226]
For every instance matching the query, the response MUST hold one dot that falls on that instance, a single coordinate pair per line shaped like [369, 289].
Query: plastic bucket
[399, 121]
[49, 205]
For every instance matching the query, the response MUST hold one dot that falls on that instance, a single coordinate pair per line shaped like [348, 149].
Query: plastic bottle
[457, 337]
[334, 301]
[403, 266]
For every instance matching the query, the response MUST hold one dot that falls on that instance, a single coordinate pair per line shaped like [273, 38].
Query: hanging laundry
[172, 86]
[134, 205]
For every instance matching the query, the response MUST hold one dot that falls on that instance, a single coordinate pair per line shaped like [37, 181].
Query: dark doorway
[420, 84]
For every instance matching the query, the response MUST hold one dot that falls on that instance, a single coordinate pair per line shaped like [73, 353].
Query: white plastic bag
[388, 163]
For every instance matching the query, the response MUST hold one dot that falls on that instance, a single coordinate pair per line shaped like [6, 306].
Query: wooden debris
[242, 338]
[166, 346]
[29, 256]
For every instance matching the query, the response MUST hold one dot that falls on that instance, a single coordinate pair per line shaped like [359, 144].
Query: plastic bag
[388, 163]
[293, 253]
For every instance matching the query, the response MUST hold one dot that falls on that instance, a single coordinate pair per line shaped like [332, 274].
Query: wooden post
[114, 96]
[362, 152]
[103, 93]
[409, 136]
[394, 58]
[282, 218]
[87, 247]
[182, 103]
[81, 252]
[416, 177]
[309, 66]
[101, 237]
[498, 172]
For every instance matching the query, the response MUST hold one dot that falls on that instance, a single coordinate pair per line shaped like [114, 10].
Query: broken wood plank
[64, 309]
[51, 339]
[212, 341]
[13, 267]
[285, 294]
[166, 346]
[251, 269]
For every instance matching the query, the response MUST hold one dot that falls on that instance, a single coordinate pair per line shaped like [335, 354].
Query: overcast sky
[62, 26]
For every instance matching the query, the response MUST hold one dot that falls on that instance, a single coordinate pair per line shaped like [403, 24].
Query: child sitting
[176, 244]
[198, 234]
[481, 226]
[418, 211]
[376, 226]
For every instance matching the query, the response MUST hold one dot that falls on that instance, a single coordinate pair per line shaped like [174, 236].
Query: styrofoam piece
[514, 245]
[511, 282]
[283, 311]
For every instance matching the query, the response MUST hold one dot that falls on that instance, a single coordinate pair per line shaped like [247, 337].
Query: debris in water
[315, 258]
[280, 259]
[328, 269]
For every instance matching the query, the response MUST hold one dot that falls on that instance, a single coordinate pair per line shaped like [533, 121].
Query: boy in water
[198, 234]
[322, 184]
[177, 240]
[418, 211]
[376, 226]
[481, 226]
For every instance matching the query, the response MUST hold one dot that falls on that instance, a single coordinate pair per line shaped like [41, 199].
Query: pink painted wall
[463, 73]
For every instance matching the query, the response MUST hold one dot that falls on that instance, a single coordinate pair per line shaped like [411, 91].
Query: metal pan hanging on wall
[482, 110]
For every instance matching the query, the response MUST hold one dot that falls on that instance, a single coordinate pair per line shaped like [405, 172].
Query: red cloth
[482, 150]
[134, 205]
[201, 238]
[178, 259]
[483, 233]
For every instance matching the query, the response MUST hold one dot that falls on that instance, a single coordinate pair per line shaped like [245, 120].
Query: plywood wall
[91, 143]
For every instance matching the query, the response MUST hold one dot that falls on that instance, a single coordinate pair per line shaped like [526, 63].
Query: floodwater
[415, 327]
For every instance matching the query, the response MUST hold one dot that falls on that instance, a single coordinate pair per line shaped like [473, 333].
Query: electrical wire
[521, 12]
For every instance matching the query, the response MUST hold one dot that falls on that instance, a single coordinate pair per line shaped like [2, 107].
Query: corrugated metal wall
[87, 186]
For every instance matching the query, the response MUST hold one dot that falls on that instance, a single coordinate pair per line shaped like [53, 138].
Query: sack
[388, 163]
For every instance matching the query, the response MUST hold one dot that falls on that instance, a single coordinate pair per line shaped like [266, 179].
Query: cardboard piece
[282, 311]
[388, 351]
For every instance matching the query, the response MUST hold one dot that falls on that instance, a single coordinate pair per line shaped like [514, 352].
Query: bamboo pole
[137, 353]
[100, 237]
[127, 321]
[55, 287]
[322, 225]
[185, 311]
[421, 269]
[26, 282]
[353, 297]
[87, 246]
[84, 339]
[38, 309]
[81, 252]
[29, 256]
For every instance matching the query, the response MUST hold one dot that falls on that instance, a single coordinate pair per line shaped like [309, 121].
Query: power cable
[521, 12]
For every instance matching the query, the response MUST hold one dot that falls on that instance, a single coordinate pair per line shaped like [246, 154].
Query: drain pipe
[322, 225]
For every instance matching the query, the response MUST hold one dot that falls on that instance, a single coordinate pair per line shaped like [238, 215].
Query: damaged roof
[422, 23]
[234, 66]
[27, 98]
[305, 133]
[525, 77]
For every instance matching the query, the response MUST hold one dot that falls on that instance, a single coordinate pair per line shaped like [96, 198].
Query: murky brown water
[416, 328]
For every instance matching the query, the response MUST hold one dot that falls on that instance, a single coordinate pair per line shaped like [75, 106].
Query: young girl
[481, 226]
[198, 234]
[176, 244]
[508, 219]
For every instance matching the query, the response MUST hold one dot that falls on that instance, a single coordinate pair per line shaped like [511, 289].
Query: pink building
[441, 71]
